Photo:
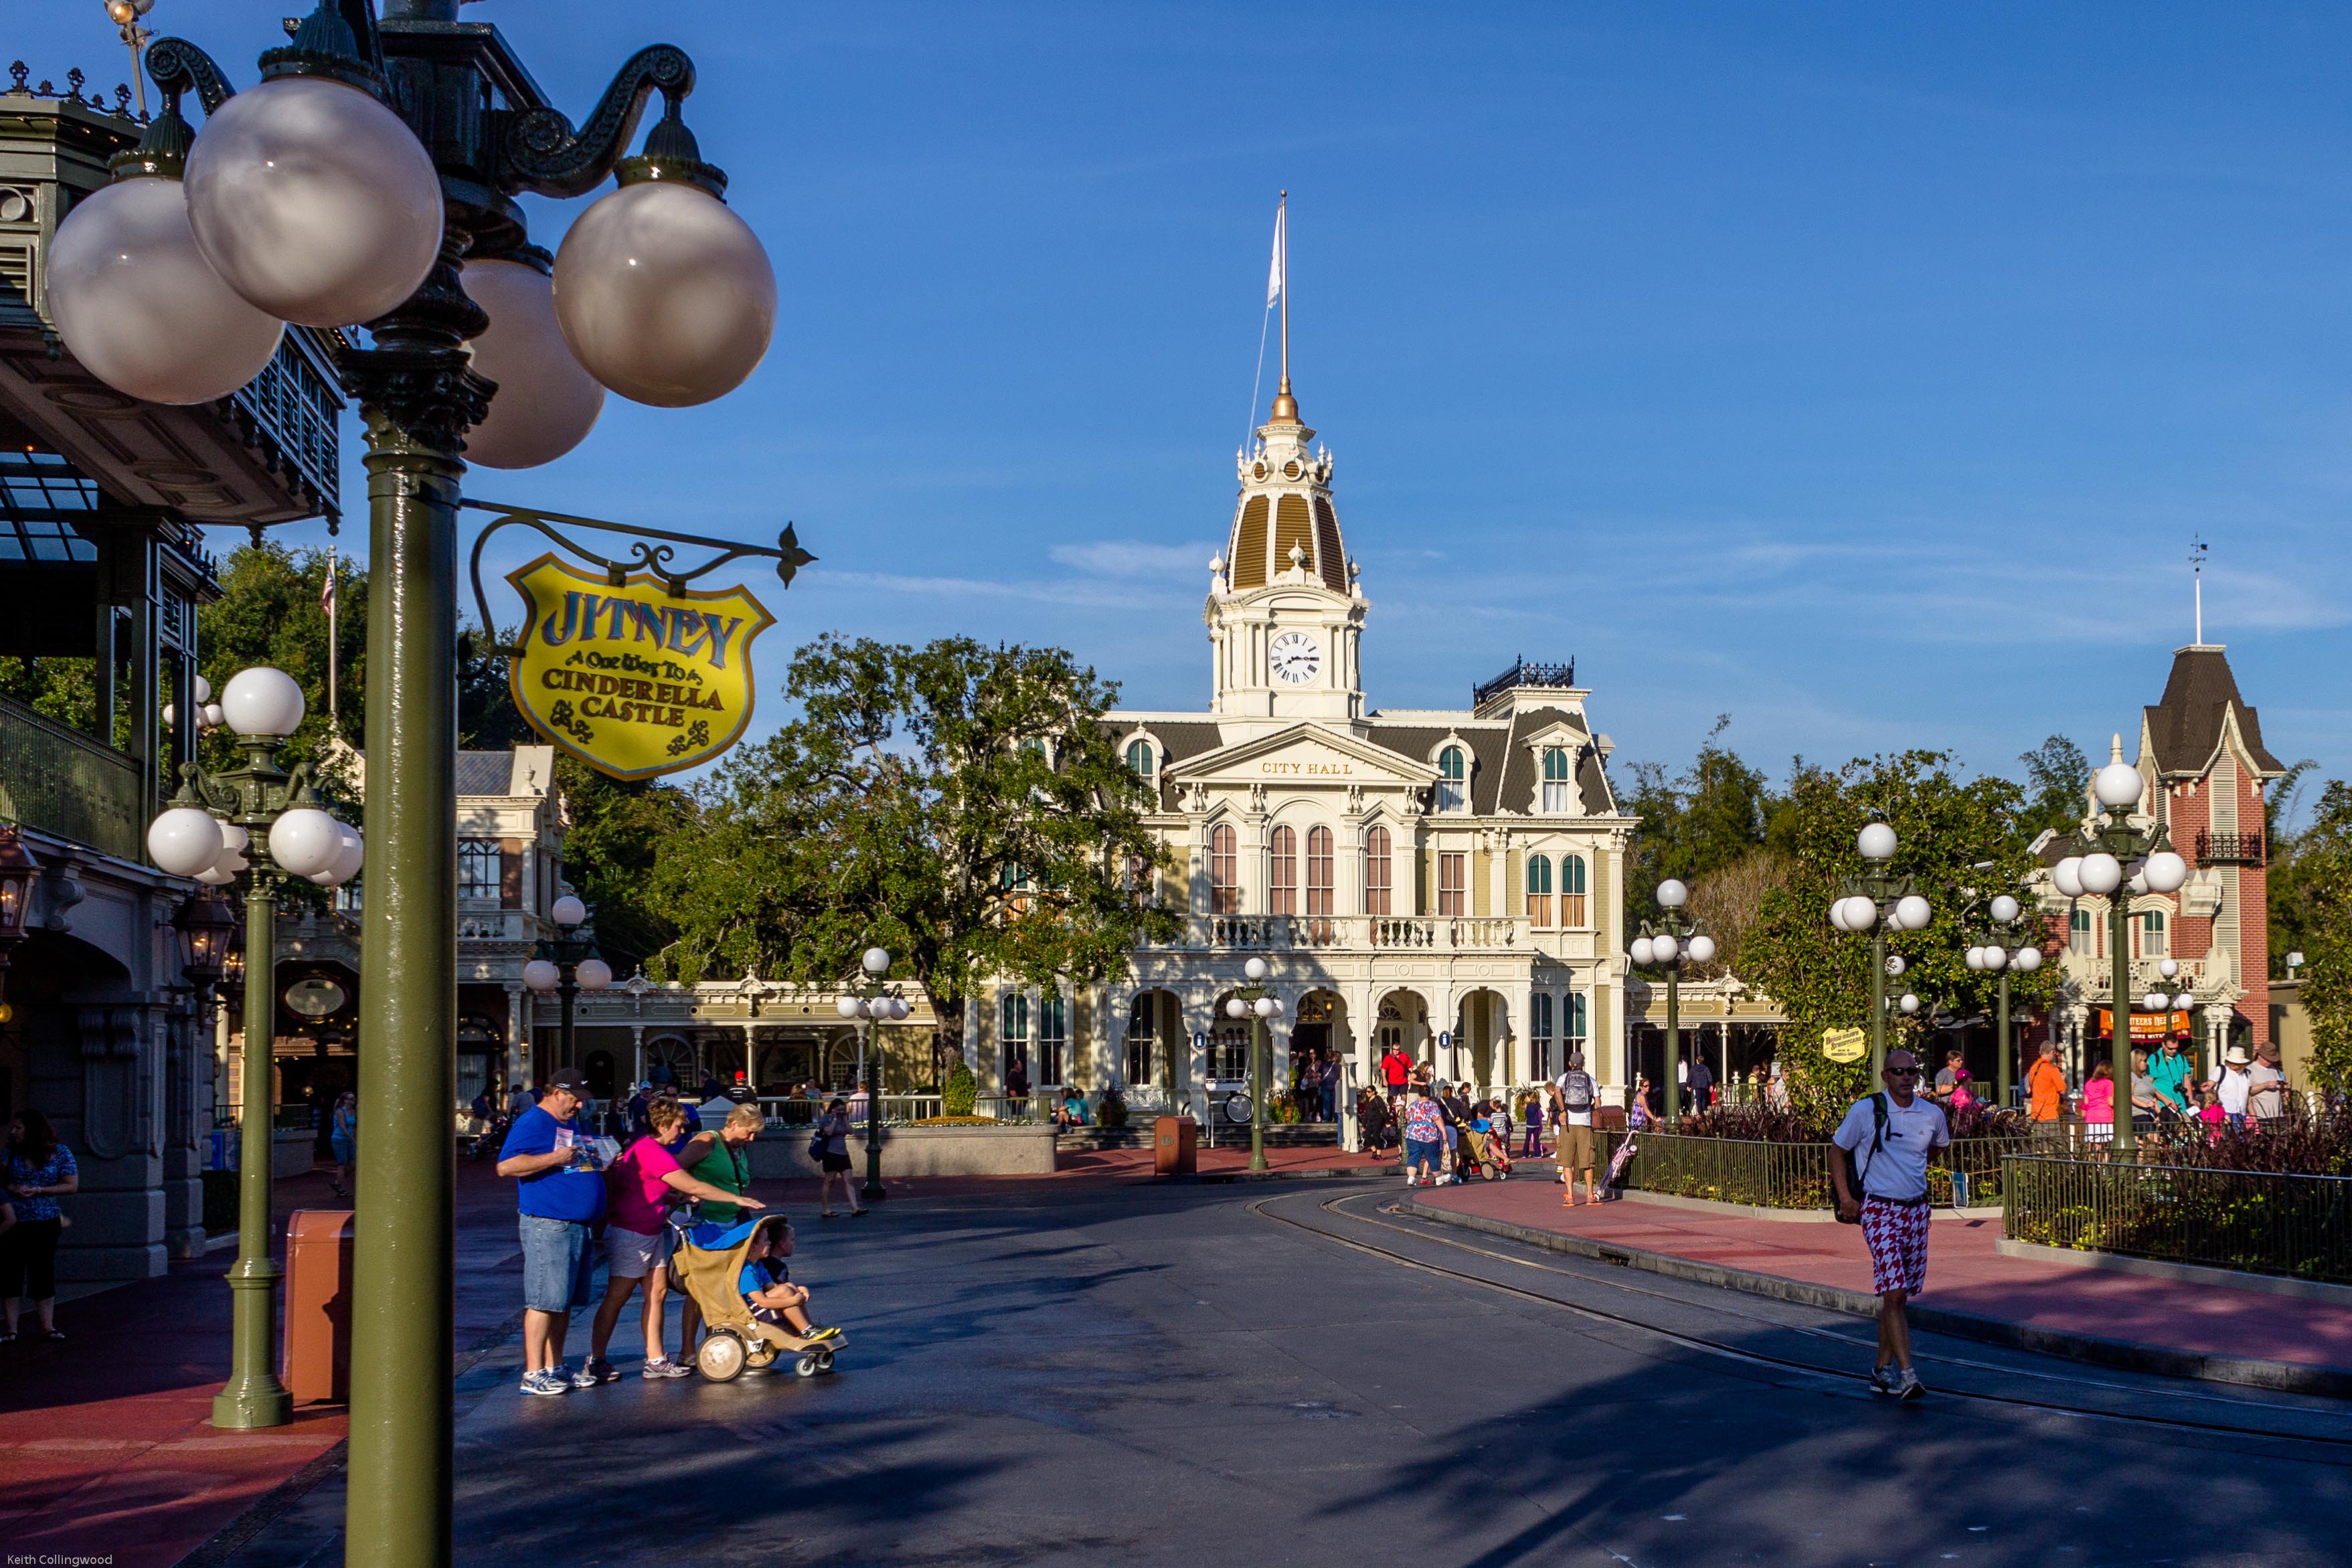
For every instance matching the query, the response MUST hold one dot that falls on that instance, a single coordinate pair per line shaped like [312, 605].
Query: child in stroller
[754, 1315]
[769, 1293]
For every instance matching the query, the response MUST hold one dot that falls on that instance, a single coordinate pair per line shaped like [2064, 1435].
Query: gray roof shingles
[2186, 726]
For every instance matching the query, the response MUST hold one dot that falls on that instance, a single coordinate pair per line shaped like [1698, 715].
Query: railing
[2229, 848]
[65, 783]
[1788, 1176]
[1522, 673]
[297, 406]
[2256, 1221]
[783, 1112]
[1307, 933]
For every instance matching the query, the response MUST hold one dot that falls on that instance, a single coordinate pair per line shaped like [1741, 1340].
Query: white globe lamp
[2003, 909]
[1910, 1004]
[142, 308]
[2068, 875]
[1912, 913]
[2100, 873]
[1895, 964]
[876, 961]
[216, 876]
[1673, 894]
[1236, 1009]
[1996, 959]
[2028, 959]
[593, 974]
[2117, 786]
[1256, 970]
[2166, 871]
[262, 701]
[1976, 958]
[2168, 967]
[314, 201]
[2153, 1003]
[1639, 951]
[185, 841]
[1875, 842]
[305, 840]
[1702, 949]
[849, 1008]
[546, 404]
[1266, 1007]
[568, 911]
[541, 975]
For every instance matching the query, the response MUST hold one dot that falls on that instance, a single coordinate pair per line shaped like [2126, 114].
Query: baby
[769, 1293]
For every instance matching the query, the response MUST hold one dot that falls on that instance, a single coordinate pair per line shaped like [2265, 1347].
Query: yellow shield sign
[634, 680]
[1844, 1044]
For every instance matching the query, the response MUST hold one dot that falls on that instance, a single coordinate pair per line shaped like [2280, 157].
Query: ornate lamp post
[1255, 1002]
[18, 871]
[263, 822]
[2110, 841]
[1665, 942]
[567, 966]
[873, 1006]
[370, 178]
[1993, 954]
[1877, 902]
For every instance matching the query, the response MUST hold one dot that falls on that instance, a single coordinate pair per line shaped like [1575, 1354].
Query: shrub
[961, 1093]
[1110, 1108]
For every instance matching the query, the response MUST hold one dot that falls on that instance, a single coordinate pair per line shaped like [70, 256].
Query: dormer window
[1141, 760]
[1453, 786]
[1559, 785]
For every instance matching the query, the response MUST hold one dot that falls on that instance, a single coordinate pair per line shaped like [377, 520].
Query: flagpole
[334, 602]
[1282, 223]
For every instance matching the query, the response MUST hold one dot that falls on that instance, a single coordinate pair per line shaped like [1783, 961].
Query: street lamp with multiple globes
[313, 198]
[567, 966]
[872, 1005]
[1877, 902]
[1995, 956]
[2109, 844]
[1257, 1003]
[265, 823]
[1665, 943]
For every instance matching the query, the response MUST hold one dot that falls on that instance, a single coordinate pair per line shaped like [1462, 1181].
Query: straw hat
[2236, 1056]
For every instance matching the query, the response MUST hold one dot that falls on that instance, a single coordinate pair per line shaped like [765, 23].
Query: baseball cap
[567, 1078]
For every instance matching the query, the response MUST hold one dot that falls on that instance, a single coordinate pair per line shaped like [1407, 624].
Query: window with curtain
[1574, 1012]
[1558, 789]
[1139, 758]
[1224, 871]
[477, 868]
[1282, 884]
[1138, 881]
[1452, 780]
[1452, 880]
[1540, 1013]
[1012, 1017]
[1571, 891]
[2078, 930]
[1053, 1039]
[2151, 934]
[1143, 1038]
[1540, 890]
[1319, 871]
[1377, 866]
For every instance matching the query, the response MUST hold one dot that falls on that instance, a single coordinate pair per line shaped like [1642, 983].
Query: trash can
[1176, 1145]
[319, 1305]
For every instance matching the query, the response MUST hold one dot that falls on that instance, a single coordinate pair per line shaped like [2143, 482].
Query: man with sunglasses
[1892, 1136]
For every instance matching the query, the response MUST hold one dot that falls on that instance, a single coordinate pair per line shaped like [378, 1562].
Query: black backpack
[1854, 1171]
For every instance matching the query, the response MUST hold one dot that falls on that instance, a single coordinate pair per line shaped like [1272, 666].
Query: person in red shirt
[1396, 1070]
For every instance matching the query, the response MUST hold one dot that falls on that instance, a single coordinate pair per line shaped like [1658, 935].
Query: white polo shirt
[1897, 1168]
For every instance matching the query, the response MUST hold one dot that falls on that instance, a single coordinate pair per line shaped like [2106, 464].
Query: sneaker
[1882, 1380]
[593, 1371]
[545, 1382]
[821, 1332]
[1910, 1387]
[663, 1366]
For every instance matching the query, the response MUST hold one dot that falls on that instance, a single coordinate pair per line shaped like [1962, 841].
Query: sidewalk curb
[1312, 1173]
[2286, 1376]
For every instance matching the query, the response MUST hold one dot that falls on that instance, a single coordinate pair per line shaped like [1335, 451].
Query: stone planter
[1016, 1149]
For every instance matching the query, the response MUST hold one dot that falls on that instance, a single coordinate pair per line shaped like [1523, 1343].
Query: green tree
[270, 614]
[2323, 869]
[2057, 774]
[963, 806]
[615, 834]
[1957, 842]
[1711, 816]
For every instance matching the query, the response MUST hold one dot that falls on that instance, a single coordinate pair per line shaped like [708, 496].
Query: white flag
[1273, 270]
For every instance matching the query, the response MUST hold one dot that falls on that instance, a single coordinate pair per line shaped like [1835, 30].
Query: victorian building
[1443, 881]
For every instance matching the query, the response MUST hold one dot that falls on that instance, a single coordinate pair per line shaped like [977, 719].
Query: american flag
[327, 591]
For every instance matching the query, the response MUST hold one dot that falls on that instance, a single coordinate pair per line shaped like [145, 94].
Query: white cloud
[1132, 557]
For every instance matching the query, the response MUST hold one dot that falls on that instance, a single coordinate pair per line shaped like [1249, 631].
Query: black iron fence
[1789, 1175]
[2263, 1223]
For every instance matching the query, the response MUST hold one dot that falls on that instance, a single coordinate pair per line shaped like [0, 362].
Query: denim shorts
[1422, 1151]
[558, 1266]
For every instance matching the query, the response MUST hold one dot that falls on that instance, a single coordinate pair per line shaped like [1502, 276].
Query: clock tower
[1285, 612]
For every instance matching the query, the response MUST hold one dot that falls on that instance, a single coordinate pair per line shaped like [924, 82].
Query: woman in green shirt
[723, 1159]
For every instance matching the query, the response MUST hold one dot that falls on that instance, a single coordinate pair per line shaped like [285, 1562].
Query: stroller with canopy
[707, 1261]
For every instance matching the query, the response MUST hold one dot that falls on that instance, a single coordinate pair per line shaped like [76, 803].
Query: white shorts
[630, 1255]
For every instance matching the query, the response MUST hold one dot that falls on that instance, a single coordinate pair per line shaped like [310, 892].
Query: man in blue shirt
[2170, 1070]
[561, 1198]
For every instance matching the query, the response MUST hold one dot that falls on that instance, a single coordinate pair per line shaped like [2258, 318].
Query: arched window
[1540, 1033]
[1558, 789]
[1539, 891]
[1225, 879]
[2078, 931]
[2151, 934]
[1053, 1039]
[1319, 871]
[1139, 759]
[1572, 893]
[1014, 1016]
[1376, 872]
[1453, 790]
[1282, 887]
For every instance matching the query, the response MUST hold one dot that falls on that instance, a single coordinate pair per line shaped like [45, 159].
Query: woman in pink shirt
[2099, 1105]
[638, 1191]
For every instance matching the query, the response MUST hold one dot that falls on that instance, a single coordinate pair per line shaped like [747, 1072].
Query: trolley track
[2336, 1448]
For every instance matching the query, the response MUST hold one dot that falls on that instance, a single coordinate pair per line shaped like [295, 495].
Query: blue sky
[1861, 371]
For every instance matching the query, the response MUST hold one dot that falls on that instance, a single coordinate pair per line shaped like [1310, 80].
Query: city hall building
[1448, 881]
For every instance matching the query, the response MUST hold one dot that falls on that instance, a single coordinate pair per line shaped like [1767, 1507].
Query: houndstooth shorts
[1897, 1234]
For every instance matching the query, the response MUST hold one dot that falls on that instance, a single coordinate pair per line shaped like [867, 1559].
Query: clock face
[1296, 658]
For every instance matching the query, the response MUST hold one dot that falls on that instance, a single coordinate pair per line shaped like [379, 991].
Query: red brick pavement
[1965, 1273]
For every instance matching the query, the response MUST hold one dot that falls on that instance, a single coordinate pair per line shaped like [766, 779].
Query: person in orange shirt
[2046, 1088]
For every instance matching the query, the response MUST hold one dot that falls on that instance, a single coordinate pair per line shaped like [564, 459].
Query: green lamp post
[264, 823]
[872, 1005]
[1878, 901]
[372, 178]
[1665, 943]
[1255, 1002]
[567, 964]
[1991, 953]
[2122, 853]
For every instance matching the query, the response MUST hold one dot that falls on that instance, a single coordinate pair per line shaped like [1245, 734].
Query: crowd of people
[579, 1191]
[2167, 1097]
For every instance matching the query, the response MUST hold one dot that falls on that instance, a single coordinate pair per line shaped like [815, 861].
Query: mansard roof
[2185, 728]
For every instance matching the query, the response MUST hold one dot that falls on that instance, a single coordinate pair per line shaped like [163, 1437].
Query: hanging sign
[636, 679]
[1844, 1045]
[2150, 1027]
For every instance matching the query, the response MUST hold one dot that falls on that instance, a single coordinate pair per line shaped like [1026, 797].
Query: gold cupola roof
[1284, 505]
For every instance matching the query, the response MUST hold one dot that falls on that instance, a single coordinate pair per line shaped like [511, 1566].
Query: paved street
[1066, 1373]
